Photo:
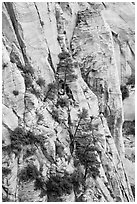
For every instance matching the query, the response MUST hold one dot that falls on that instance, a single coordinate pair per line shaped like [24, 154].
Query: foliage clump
[55, 115]
[87, 155]
[28, 80]
[29, 173]
[124, 91]
[131, 80]
[57, 185]
[65, 68]
[37, 93]
[29, 69]
[40, 117]
[15, 92]
[19, 138]
[6, 171]
[52, 91]
[40, 82]
[129, 127]
[85, 140]
[63, 102]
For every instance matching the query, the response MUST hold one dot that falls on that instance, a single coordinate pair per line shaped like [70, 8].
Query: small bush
[28, 81]
[7, 149]
[28, 153]
[84, 114]
[133, 190]
[15, 92]
[29, 173]
[63, 102]
[55, 115]
[77, 179]
[6, 171]
[52, 91]
[6, 199]
[131, 80]
[42, 23]
[29, 69]
[41, 82]
[125, 92]
[88, 157]
[63, 55]
[129, 127]
[36, 93]
[59, 185]
[18, 138]
[40, 185]
[40, 117]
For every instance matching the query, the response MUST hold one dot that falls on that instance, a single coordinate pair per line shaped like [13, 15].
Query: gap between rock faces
[91, 104]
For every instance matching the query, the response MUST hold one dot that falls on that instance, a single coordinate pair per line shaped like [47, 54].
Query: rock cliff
[63, 64]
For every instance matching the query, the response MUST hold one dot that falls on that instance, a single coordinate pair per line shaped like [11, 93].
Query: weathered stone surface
[9, 118]
[13, 86]
[120, 18]
[99, 39]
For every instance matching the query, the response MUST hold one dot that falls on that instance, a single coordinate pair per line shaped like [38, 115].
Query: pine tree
[65, 68]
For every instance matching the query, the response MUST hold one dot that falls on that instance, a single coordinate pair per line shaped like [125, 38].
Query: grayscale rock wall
[97, 42]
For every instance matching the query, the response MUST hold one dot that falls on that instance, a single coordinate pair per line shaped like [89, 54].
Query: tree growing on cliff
[81, 116]
[85, 142]
[58, 185]
[65, 68]
[88, 156]
[51, 92]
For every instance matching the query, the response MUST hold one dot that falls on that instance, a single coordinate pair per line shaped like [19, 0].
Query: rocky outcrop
[62, 104]
[121, 21]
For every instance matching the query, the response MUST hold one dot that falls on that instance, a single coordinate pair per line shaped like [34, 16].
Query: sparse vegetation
[66, 68]
[29, 152]
[58, 185]
[40, 117]
[28, 80]
[29, 173]
[19, 138]
[6, 171]
[29, 69]
[131, 80]
[15, 92]
[62, 102]
[111, 123]
[129, 127]
[124, 91]
[40, 82]
[77, 179]
[42, 23]
[52, 91]
[85, 141]
[37, 93]
[55, 115]
[87, 155]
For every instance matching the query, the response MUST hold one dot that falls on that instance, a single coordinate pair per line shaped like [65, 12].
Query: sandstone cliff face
[62, 69]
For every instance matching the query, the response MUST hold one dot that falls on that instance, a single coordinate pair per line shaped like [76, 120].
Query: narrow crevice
[50, 61]
[15, 25]
[131, 49]
[41, 22]
[104, 5]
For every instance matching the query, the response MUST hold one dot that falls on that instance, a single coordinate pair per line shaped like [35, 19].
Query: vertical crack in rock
[17, 30]
[62, 127]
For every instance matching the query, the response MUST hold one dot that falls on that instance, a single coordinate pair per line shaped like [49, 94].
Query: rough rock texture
[63, 64]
